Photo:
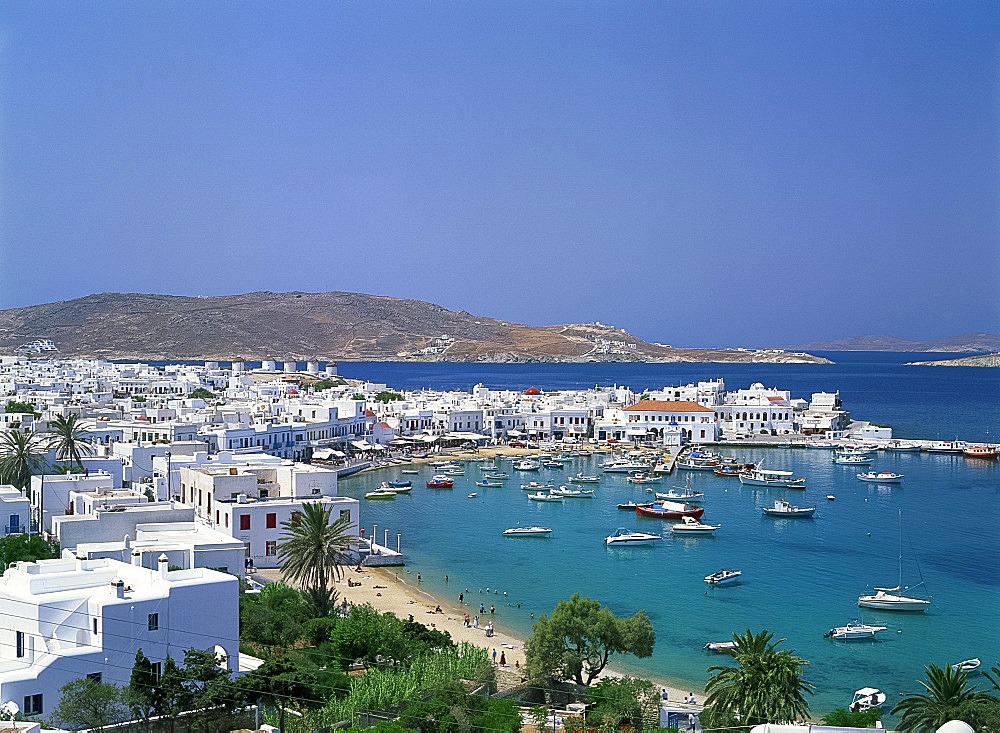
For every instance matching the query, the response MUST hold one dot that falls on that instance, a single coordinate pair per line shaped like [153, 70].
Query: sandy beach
[394, 590]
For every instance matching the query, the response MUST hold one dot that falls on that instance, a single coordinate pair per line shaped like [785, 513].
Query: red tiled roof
[369, 413]
[775, 398]
[667, 406]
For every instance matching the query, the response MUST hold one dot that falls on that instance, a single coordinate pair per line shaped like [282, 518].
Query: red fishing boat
[440, 482]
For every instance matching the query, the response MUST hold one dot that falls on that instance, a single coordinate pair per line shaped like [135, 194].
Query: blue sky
[701, 173]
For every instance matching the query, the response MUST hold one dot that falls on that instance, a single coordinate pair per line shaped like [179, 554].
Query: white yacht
[867, 698]
[892, 599]
[622, 536]
[881, 477]
[527, 531]
[853, 630]
[690, 525]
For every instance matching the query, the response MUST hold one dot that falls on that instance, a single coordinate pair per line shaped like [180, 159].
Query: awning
[362, 445]
[515, 432]
[322, 455]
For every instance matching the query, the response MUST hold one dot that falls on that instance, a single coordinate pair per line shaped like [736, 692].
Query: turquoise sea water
[801, 576]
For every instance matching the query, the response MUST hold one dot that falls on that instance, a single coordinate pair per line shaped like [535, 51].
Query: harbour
[801, 576]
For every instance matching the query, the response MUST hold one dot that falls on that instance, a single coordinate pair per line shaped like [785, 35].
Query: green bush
[844, 718]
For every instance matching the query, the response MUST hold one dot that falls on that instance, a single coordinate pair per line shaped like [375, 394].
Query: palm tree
[313, 549]
[766, 687]
[68, 439]
[949, 698]
[21, 457]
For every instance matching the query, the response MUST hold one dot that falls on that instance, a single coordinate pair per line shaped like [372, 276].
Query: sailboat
[892, 599]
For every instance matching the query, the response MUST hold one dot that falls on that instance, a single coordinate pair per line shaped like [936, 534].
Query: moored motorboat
[621, 466]
[381, 494]
[690, 525]
[573, 493]
[668, 510]
[946, 446]
[583, 479]
[440, 481]
[535, 485]
[898, 446]
[853, 630]
[782, 508]
[628, 505]
[758, 476]
[881, 477]
[410, 471]
[852, 459]
[545, 497]
[622, 536]
[719, 647]
[683, 495]
[527, 531]
[473, 495]
[867, 698]
[831, 497]
[490, 484]
[402, 487]
[969, 666]
[496, 476]
[399, 484]
[723, 577]
[643, 478]
[982, 451]
[526, 466]
[728, 471]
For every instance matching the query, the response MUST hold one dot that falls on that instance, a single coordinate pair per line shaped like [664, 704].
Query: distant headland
[966, 342]
[335, 325]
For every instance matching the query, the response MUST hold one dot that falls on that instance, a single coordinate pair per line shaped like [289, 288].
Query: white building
[15, 510]
[824, 416]
[61, 620]
[50, 493]
[653, 421]
[250, 502]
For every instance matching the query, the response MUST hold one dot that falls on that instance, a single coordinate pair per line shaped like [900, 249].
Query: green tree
[141, 691]
[312, 548]
[579, 638]
[625, 700]
[67, 438]
[21, 457]
[201, 394]
[23, 547]
[948, 697]
[273, 617]
[767, 686]
[320, 602]
[87, 703]
[386, 396]
[170, 696]
[212, 696]
[15, 406]
[328, 384]
[846, 719]
[281, 683]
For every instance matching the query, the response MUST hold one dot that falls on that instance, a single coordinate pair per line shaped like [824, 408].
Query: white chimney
[79, 561]
[162, 562]
[137, 558]
[241, 499]
[119, 587]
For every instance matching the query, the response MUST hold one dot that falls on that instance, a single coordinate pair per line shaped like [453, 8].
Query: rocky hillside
[346, 326]
[983, 360]
[963, 342]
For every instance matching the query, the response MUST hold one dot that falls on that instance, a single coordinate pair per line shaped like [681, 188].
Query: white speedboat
[490, 484]
[881, 477]
[643, 478]
[526, 466]
[381, 494]
[622, 536]
[719, 647]
[683, 495]
[758, 476]
[536, 486]
[892, 599]
[583, 479]
[853, 459]
[545, 497]
[969, 666]
[573, 493]
[853, 630]
[690, 525]
[723, 577]
[552, 465]
[867, 698]
[623, 466]
[527, 531]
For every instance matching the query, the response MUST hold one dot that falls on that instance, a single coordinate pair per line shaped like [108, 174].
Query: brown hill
[337, 325]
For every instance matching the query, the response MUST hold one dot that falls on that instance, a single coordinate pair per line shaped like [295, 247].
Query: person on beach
[492, 610]
[482, 608]
[663, 695]
[503, 659]
[494, 656]
[418, 577]
[475, 622]
[461, 597]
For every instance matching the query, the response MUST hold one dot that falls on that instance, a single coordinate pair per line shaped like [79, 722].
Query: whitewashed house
[15, 510]
[655, 421]
[61, 620]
